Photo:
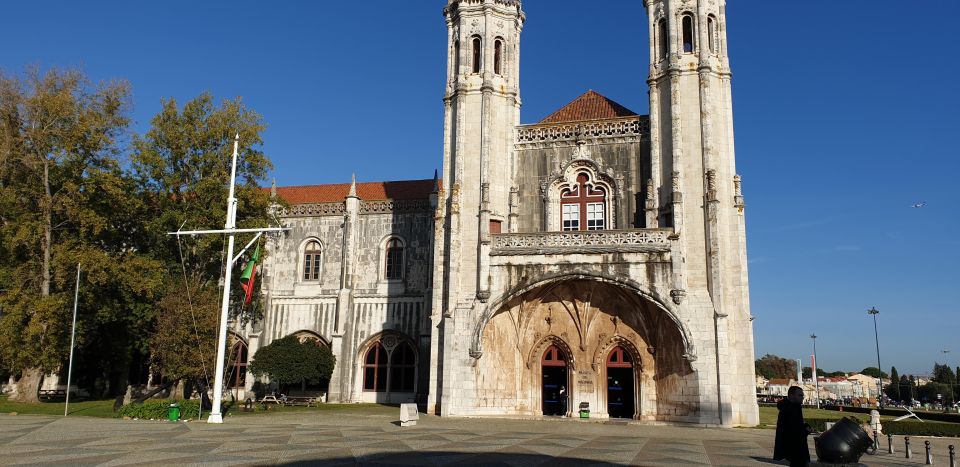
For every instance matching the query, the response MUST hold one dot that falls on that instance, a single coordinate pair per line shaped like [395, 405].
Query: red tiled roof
[589, 106]
[779, 382]
[370, 191]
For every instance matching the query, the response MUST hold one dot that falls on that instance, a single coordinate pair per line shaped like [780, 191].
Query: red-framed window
[312, 255]
[375, 369]
[583, 206]
[553, 356]
[238, 365]
[619, 358]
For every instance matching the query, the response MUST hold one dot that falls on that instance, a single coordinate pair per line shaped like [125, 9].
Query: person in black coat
[792, 432]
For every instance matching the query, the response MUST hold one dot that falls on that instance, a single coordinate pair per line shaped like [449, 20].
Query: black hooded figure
[792, 432]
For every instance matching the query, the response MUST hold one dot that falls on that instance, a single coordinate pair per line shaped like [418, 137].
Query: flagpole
[216, 413]
[73, 333]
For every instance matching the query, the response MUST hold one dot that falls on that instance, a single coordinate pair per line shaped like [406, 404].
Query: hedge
[158, 409]
[915, 428]
[938, 416]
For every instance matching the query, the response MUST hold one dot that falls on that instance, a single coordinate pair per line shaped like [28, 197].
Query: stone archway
[587, 319]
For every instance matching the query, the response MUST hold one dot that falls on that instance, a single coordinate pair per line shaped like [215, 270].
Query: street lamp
[874, 312]
[813, 370]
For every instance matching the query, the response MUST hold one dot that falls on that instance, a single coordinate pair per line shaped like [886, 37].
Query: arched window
[712, 34]
[498, 56]
[312, 254]
[402, 368]
[390, 364]
[583, 206]
[375, 369]
[393, 263]
[456, 57]
[477, 53]
[664, 39]
[238, 365]
[688, 36]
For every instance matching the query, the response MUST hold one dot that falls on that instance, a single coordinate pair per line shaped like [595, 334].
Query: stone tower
[697, 190]
[481, 112]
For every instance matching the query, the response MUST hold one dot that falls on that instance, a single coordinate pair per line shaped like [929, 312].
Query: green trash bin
[173, 413]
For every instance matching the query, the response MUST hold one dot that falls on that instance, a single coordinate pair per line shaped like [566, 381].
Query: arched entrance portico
[609, 348]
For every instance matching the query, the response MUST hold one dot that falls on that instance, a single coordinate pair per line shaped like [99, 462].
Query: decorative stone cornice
[388, 206]
[315, 209]
[596, 241]
[612, 130]
[366, 207]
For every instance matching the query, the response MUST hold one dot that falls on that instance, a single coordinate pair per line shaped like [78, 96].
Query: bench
[52, 393]
[304, 401]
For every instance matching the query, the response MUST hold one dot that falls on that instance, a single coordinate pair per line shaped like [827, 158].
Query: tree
[63, 200]
[893, 389]
[771, 366]
[182, 166]
[943, 374]
[908, 388]
[289, 361]
[874, 372]
[184, 346]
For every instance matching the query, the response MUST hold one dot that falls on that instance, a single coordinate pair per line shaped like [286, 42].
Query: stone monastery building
[598, 251]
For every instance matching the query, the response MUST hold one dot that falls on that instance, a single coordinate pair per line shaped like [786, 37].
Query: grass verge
[86, 408]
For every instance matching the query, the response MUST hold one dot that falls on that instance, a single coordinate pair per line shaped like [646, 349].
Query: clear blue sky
[845, 111]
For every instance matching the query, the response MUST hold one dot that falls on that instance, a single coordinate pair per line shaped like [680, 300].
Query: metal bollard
[889, 443]
[906, 442]
[929, 460]
[953, 457]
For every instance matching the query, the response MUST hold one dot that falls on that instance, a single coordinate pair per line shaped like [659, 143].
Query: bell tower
[698, 191]
[481, 113]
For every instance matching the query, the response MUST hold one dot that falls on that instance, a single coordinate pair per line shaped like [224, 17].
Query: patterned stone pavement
[335, 438]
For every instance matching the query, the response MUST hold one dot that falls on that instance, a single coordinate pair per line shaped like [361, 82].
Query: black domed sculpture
[843, 443]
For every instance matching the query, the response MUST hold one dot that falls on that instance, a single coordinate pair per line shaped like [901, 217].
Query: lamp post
[813, 370]
[874, 312]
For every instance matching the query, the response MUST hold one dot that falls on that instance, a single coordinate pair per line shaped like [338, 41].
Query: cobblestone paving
[362, 439]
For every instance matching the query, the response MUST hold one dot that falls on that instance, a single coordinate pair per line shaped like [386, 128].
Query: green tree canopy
[64, 200]
[182, 167]
[772, 366]
[892, 390]
[289, 361]
[874, 372]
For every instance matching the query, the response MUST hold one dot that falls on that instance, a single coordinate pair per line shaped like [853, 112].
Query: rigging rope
[193, 317]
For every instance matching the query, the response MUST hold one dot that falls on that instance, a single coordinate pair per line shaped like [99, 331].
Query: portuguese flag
[249, 275]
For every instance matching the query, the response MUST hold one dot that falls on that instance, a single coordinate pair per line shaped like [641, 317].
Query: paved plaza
[345, 438]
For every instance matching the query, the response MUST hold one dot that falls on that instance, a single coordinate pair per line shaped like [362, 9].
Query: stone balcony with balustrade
[581, 242]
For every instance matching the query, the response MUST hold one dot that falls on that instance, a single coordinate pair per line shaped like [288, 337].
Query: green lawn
[85, 408]
[353, 409]
[768, 415]
[104, 408]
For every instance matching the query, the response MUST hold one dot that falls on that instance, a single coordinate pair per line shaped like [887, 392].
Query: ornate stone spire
[353, 186]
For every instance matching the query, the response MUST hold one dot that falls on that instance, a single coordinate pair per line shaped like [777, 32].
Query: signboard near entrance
[586, 382]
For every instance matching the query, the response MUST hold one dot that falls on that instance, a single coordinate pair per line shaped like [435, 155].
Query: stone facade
[598, 251]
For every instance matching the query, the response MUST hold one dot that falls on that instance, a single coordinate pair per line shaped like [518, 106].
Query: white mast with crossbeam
[230, 228]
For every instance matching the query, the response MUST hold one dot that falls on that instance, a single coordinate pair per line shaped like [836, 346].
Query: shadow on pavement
[453, 458]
